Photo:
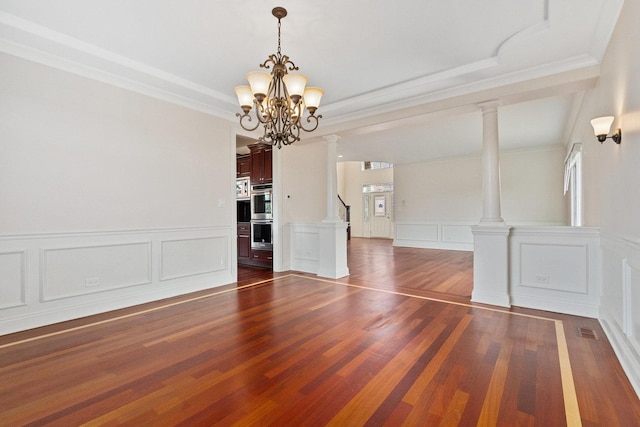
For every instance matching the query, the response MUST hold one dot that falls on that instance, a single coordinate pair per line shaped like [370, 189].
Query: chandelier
[279, 97]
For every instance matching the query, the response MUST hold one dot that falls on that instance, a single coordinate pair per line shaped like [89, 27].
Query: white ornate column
[332, 260]
[491, 236]
[332, 178]
[491, 211]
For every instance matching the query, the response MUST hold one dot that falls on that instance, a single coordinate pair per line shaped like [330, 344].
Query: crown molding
[35, 43]
[31, 41]
[568, 75]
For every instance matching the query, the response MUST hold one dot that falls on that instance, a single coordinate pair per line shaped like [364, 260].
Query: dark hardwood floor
[395, 343]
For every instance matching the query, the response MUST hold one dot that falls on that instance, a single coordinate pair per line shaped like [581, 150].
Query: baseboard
[491, 298]
[627, 355]
[556, 305]
[422, 244]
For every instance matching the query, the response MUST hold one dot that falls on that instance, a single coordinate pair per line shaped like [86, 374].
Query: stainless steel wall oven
[261, 206]
[261, 235]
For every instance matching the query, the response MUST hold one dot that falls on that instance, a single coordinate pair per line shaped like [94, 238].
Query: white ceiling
[402, 80]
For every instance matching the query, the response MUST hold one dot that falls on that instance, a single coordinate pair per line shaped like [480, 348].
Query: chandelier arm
[286, 61]
[260, 111]
[272, 59]
[291, 137]
[248, 119]
[311, 119]
[293, 132]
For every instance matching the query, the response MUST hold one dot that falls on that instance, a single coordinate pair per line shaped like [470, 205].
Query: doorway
[378, 214]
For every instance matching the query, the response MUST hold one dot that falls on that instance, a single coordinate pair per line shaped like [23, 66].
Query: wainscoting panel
[417, 232]
[13, 276]
[51, 278]
[620, 308]
[555, 269]
[319, 248]
[450, 236]
[305, 247]
[457, 234]
[632, 304]
[72, 271]
[547, 266]
[191, 257]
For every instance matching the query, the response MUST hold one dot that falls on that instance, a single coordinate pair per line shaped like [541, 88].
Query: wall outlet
[542, 278]
[92, 281]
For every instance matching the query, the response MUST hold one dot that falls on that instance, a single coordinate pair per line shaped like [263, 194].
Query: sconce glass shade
[259, 83]
[312, 96]
[601, 126]
[245, 97]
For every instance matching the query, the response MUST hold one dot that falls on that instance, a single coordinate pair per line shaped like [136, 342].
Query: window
[369, 165]
[573, 182]
[377, 188]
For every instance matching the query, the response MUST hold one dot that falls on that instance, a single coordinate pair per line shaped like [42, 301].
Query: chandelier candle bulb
[280, 98]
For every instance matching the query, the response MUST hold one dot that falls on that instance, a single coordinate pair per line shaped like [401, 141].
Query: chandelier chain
[279, 51]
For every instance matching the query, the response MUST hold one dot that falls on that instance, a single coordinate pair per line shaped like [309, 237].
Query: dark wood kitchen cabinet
[261, 158]
[243, 165]
[248, 256]
[262, 258]
[244, 243]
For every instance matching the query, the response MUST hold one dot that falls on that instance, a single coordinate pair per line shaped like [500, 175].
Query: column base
[491, 264]
[492, 221]
[332, 239]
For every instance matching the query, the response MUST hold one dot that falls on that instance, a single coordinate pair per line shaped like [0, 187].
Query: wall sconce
[601, 127]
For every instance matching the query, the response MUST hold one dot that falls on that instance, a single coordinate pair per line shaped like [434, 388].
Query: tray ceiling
[390, 72]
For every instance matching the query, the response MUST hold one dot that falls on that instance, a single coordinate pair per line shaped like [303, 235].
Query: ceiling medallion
[280, 98]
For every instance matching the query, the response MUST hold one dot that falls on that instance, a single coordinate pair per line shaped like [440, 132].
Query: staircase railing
[344, 211]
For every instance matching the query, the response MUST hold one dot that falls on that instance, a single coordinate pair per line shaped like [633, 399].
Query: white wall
[451, 190]
[108, 197]
[532, 187]
[78, 155]
[303, 182]
[612, 195]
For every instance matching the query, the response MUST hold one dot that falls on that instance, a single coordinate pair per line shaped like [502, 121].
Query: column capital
[489, 105]
[331, 138]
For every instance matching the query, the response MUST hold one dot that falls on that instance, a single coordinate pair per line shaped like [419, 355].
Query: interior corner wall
[109, 197]
[611, 177]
